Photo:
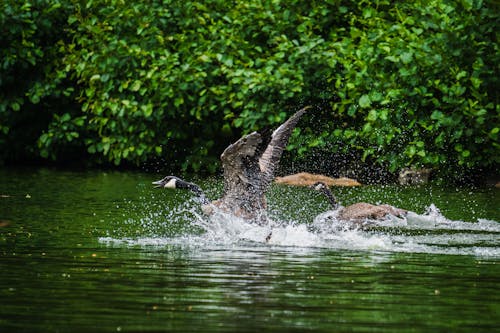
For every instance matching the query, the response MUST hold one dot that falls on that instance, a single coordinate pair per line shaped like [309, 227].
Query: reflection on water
[104, 252]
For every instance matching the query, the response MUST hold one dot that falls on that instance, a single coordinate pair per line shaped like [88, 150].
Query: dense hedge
[398, 83]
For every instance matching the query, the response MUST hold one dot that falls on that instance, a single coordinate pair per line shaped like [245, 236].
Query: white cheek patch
[170, 184]
[318, 187]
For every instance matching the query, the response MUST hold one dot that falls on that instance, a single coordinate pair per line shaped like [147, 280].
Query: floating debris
[308, 179]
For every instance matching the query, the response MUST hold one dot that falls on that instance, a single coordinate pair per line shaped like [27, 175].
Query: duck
[361, 215]
[248, 165]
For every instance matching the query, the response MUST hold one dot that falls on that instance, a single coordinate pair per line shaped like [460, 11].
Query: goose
[249, 165]
[358, 215]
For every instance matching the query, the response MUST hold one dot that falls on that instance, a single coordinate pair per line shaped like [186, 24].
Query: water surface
[103, 251]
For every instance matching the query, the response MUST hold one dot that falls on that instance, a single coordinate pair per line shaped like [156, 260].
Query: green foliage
[181, 74]
[402, 83]
[418, 84]
[30, 85]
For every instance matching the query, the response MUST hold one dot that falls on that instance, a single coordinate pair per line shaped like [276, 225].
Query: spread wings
[249, 163]
[269, 160]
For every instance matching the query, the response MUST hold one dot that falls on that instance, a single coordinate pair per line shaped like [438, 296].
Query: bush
[30, 91]
[418, 84]
[398, 84]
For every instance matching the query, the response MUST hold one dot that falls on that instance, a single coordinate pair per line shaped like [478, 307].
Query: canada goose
[358, 215]
[249, 165]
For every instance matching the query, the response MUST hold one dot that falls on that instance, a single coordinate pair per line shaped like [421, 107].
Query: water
[97, 251]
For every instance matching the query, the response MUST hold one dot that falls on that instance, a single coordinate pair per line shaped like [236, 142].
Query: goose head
[325, 190]
[171, 182]
[319, 186]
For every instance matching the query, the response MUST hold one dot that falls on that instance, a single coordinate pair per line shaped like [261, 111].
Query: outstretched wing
[269, 160]
[241, 169]
[249, 163]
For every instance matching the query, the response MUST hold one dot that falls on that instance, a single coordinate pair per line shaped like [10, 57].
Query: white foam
[294, 235]
[430, 232]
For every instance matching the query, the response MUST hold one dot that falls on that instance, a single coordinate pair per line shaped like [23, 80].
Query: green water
[104, 252]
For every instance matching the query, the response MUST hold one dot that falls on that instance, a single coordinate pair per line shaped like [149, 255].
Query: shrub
[396, 83]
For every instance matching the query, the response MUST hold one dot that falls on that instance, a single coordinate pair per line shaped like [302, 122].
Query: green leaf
[372, 115]
[95, 77]
[364, 101]
[136, 85]
[392, 58]
[15, 106]
[437, 115]
[65, 117]
[406, 57]
[35, 99]
[460, 75]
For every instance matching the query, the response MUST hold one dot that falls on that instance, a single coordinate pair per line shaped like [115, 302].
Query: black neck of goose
[331, 198]
[198, 192]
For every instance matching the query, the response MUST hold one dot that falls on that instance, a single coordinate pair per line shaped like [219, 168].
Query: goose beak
[158, 183]
[167, 182]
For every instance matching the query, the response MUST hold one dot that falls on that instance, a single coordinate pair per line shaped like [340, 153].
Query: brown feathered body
[358, 215]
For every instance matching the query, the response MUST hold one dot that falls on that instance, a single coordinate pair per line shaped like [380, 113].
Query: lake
[105, 252]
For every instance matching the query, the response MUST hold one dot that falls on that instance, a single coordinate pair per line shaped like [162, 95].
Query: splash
[430, 232]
